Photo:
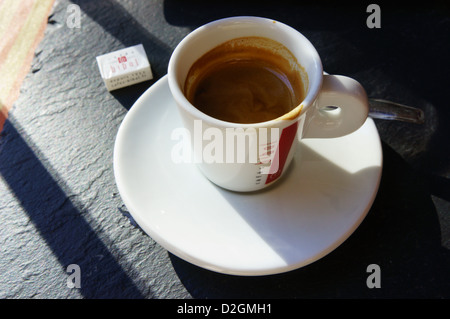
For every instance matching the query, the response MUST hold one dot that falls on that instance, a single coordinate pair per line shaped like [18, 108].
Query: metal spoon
[387, 110]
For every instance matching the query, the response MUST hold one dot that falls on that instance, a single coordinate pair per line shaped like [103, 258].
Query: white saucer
[307, 214]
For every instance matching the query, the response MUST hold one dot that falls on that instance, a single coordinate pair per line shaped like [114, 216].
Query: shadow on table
[294, 13]
[58, 220]
[401, 234]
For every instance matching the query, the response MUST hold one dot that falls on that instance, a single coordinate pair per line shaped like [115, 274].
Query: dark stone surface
[60, 205]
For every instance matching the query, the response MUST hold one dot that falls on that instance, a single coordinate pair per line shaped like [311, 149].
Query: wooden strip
[11, 26]
[8, 8]
[18, 60]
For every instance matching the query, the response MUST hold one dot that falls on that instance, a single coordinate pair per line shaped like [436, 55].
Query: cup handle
[341, 108]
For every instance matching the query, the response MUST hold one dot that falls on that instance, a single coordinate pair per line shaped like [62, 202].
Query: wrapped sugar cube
[124, 67]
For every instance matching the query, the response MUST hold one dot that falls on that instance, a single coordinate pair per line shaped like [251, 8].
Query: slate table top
[60, 205]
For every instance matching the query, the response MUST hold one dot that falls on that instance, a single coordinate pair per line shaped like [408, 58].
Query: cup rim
[293, 115]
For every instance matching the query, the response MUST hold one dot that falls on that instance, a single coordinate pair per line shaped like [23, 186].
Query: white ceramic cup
[313, 118]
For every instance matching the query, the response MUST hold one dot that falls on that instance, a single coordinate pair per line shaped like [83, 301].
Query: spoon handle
[387, 110]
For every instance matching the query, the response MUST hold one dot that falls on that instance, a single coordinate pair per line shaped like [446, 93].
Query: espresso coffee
[246, 80]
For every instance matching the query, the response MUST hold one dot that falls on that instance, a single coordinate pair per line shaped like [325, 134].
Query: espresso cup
[251, 156]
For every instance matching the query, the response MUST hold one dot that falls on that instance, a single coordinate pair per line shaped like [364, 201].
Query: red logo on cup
[122, 59]
[286, 139]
